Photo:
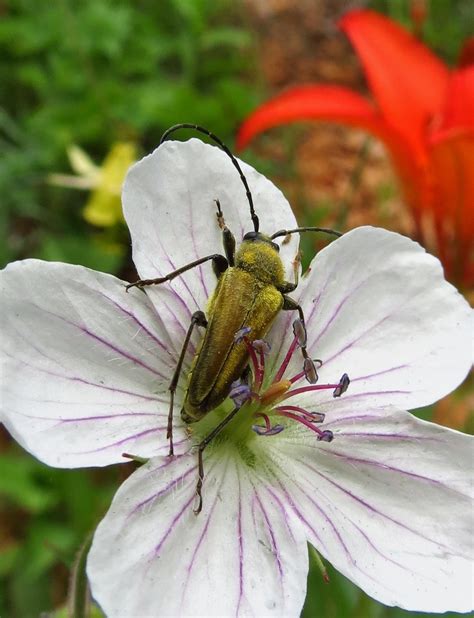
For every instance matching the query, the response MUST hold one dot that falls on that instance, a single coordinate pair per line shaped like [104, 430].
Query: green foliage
[45, 515]
[446, 26]
[91, 73]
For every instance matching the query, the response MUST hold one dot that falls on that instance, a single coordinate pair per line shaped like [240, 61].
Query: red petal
[331, 103]
[408, 81]
[459, 105]
[346, 107]
[452, 165]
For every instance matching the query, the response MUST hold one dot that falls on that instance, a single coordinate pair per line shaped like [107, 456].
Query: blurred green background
[109, 77]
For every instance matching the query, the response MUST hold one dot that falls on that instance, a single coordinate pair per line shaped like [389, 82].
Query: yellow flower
[104, 206]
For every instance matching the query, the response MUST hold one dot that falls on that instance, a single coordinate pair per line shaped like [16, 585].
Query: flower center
[269, 402]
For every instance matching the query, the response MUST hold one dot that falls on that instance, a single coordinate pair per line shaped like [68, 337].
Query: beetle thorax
[261, 260]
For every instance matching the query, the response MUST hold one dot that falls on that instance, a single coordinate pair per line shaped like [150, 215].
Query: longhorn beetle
[251, 290]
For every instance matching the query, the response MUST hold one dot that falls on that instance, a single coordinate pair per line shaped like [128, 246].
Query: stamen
[240, 393]
[268, 430]
[306, 389]
[342, 386]
[241, 337]
[324, 436]
[286, 360]
[299, 332]
[314, 417]
[241, 334]
[302, 374]
[310, 372]
[262, 346]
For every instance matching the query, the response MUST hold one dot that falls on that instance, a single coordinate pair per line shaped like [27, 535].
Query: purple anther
[240, 393]
[310, 372]
[261, 346]
[299, 332]
[326, 436]
[263, 431]
[342, 386]
[241, 333]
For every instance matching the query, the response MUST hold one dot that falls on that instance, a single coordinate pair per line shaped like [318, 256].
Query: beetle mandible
[251, 290]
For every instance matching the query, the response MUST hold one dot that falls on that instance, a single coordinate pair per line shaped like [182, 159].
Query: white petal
[169, 204]
[378, 308]
[85, 366]
[151, 555]
[389, 504]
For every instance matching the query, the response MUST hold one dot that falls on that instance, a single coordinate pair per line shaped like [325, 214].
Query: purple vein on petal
[169, 289]
[79, 419]
[82, 419]
[349, 397]
[387, 436]
[139, 323]
[82, 380]
[370, 507]
[379, 373]
[334, 528]
[174, 521]
[241, 547]
[108, 344]
[193, 238]
[275, 551]
[282, 509]
[180, 513]
[330, 522]
[349, 345]
[354, 419]
[335, 313]
[123, 441]
[202, 536]
[163, 491]
[292, 504]
[183, 281]
[377, 551]
[383, 466]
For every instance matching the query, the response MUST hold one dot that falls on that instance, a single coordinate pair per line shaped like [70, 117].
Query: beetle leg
[309, 365]
[198, 319]
[290, 286]
[201, 448]
[219, 264]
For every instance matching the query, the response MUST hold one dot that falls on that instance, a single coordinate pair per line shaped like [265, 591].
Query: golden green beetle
[250, 292]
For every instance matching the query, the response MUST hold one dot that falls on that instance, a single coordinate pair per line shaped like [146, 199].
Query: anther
[241, 334]
[263, 431]
[240, 393]
[261, 346]
[299, 332]
[342, 386]
[326, 436]
[310, 372]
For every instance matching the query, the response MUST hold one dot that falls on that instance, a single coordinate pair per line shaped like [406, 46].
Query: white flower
[86, 369]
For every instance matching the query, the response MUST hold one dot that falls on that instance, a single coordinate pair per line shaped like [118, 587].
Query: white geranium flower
[86, 370]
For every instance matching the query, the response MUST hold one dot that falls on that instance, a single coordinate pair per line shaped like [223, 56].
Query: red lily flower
[422, 111]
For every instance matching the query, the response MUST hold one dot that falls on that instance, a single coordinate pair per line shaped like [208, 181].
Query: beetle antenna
[326, 230]
[220, 143]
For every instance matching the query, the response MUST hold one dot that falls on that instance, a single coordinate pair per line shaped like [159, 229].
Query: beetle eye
[251, 236]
